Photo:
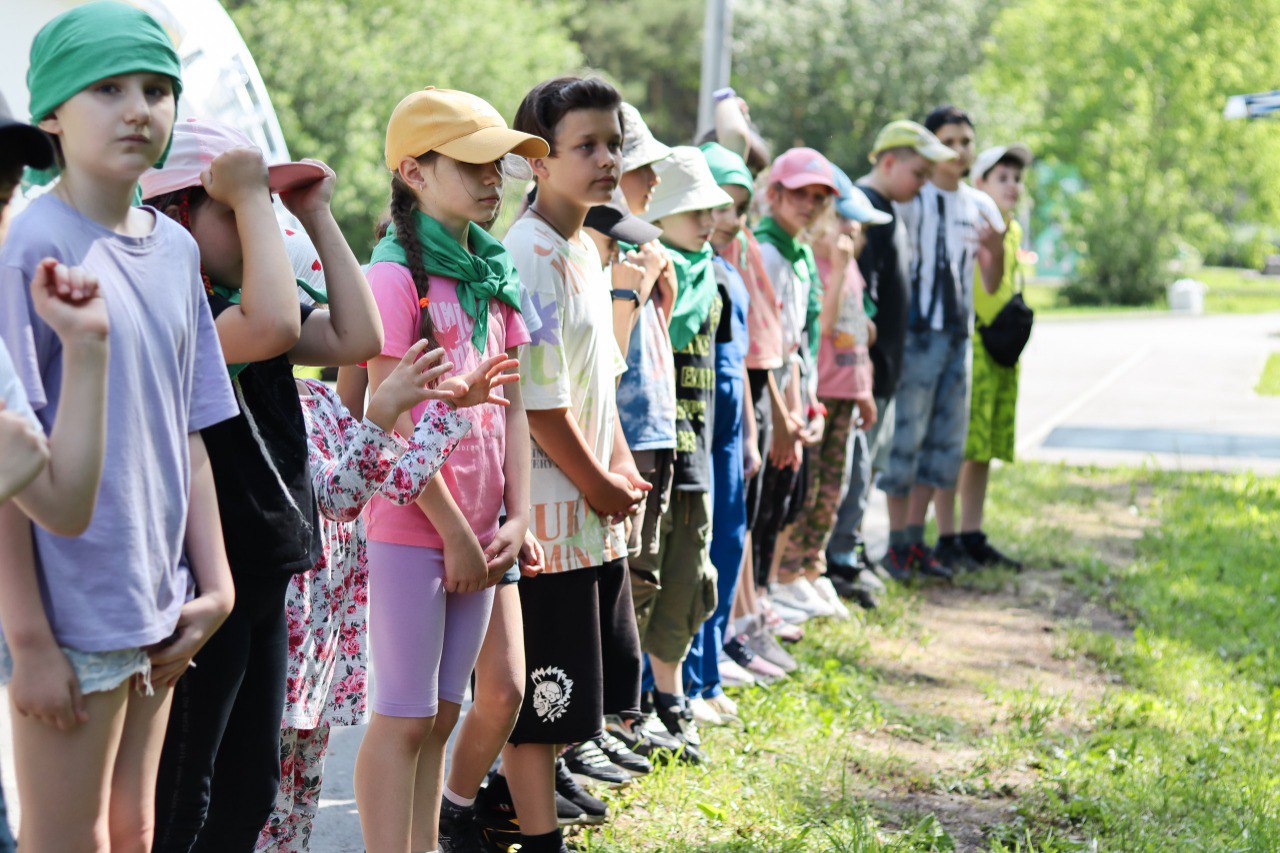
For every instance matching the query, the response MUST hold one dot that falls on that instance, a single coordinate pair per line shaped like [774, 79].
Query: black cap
[616, 220]
[29, 144]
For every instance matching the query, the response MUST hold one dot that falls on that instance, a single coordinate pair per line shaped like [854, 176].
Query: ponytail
[403, 205]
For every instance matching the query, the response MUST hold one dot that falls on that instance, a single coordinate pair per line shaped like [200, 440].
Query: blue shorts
[931, 413]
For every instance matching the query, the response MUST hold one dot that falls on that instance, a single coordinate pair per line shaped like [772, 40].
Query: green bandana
[800, 256]
[483, 273]
[696, 282]
[90, 42]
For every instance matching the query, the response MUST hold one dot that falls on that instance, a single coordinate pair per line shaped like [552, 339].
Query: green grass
[1181, 751]
[1269, 382]
[1231, 291]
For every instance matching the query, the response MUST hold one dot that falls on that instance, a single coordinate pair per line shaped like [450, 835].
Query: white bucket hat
[686, 183]
[639, 147]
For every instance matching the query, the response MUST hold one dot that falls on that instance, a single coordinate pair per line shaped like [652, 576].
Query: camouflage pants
[807, 543]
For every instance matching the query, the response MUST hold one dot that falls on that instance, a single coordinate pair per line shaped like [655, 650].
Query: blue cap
[852, 203]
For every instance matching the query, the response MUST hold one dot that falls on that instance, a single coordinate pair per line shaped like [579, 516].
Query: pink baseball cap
[803, 167]
[195, 145]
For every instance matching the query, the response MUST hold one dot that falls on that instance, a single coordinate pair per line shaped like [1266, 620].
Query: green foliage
[336, 69]
[829, 73]
[1138, 116]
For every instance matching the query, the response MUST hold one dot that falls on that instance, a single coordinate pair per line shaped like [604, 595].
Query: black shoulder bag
[1006, 336]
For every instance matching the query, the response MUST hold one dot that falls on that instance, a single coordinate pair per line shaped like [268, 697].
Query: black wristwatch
[622, 293]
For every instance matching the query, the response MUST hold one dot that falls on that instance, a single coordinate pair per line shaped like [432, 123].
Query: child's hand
[24, 451]
[871, 332]
[236, 177]
[628, 469]
[615, 496]
[667, 285]
[866, 412]
[479, 385]
[45, 686]
[785, 452]
[197, 621]
[408, 385]
[68, 299]
[533, 559]
[503, 552]
[628, 274]
[812, 434]
[750, 459]
[654, 260]
[990, 243]
[465, 568]
[842, 251]
[311, 198]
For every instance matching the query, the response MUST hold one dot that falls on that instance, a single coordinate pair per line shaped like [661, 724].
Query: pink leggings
[423, 641]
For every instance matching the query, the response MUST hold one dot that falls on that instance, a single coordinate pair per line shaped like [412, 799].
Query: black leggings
[782, 497]
[758, 380]
[220, 767]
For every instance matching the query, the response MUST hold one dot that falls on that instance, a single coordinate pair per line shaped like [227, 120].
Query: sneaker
[593, 810]
[868, 563]
[781, 628]
[646, 736]
[733, 675]
[853, 589]
[459, 828]
[800, 595]
[726, 708]
[704, 714]
[822, 586]
[923, 561]
[496, 814]
[868, 580]
[739, 650]
[897, 562]
[984, 553]
[765, 645]
[620, 755]
[679, 722]
[952, 554]
[590, 766]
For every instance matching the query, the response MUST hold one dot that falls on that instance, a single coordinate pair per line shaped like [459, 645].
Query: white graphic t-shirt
[571, 362]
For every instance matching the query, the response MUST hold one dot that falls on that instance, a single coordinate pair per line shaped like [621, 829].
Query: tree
[830, 73]
[1129, 96]
[335, 71]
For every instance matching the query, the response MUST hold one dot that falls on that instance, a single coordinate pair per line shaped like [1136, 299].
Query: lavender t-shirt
[122, 582]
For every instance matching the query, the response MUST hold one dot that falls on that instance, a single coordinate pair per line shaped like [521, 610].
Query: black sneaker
[921, 560]
[678, 720]
[646, 736]
[867, 564]
[846, 587]
[592, 810]
[739, 652]
[982, 552]
[494, 810]
[952, 554]
[590, 766]
[459, 829]
[898, 563]
[620, 755]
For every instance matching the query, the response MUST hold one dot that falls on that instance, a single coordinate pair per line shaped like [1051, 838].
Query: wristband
[621, 294]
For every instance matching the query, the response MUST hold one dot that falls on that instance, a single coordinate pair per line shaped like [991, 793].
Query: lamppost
[717, 57]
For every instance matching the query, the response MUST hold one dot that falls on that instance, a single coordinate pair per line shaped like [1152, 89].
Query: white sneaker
[703, 713]
[725, 707]
[733, 675]
[800, 595]
[868, 580]
[790, 614]
[822, 586]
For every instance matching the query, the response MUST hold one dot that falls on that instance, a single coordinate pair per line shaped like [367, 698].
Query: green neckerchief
[85, 44]
[696, 282]
[484, 272]
[232, 295]
[800, 256]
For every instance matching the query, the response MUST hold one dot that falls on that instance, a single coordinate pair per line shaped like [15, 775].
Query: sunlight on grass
[1269, 382]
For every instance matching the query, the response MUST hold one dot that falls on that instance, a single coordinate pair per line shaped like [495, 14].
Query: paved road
[1183, 385]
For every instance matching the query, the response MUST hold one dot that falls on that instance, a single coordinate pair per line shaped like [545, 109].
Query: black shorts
[582, 653]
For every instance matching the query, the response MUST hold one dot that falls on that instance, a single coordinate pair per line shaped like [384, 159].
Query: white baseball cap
[987, 160]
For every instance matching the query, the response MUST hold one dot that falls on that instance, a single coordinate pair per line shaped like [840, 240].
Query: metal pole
[717, 58]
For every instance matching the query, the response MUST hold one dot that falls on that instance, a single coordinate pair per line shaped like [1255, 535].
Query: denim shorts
[931, 413]
[97, 672]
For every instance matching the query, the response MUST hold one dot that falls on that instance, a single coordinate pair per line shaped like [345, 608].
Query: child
[439, 276]
[801, 185]
[350, 461]
[734, 456]
[220, 769]
[953, 229]
[134, 584]
[992, 410]
[902, 156]
[844, 385]
[580, 639]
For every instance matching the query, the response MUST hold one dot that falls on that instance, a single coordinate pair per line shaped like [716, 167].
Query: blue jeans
[931, 413]
[866, 453]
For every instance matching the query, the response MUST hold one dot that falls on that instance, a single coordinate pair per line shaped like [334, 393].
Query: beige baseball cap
[456, 124]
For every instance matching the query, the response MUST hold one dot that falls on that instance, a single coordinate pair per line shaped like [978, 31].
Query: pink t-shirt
[764, 317]
[473, 474]
[844, 367]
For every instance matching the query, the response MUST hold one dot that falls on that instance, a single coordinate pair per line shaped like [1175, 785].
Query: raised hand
[236, 177]
[68, 299]
[311, 198]
[409, 384]
[481, 384]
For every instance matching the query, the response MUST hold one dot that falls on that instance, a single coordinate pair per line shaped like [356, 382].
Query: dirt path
[976, 674]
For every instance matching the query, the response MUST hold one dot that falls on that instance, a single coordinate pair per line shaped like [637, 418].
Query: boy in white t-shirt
[953, 229]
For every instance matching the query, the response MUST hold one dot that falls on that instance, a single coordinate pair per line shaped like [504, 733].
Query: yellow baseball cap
[908, 134]
[456, 124]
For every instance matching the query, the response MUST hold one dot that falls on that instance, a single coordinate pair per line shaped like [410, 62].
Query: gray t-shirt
[122, 582]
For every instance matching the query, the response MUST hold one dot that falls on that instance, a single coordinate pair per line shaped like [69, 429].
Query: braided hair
[178, 205]
[404, 202]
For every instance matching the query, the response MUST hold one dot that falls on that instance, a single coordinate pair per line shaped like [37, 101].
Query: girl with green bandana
[437, 565]
[101, 624]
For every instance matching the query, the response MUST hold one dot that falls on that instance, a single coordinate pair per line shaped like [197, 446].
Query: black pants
[220, 768]
[782, 493]
[758, 380]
